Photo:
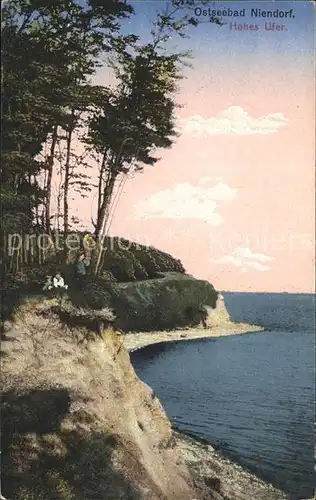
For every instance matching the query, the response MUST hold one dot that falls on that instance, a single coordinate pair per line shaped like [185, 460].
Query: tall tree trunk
[50, 165]
[59, 200]
[101, 183]
[107, 194]
[102, 219]
[114, 169]
[60, 193]
[66, 189]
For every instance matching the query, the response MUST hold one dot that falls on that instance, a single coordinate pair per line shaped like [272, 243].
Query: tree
[49, 51]
[138, 118]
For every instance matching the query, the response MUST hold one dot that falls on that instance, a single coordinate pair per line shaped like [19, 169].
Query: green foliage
[139, 271]
[98, 294]
[166, 262]
[118, 263]
[124, 261]
[129, 261]
[13, 291]
[107, 277]
[162, 303]
[50, 51]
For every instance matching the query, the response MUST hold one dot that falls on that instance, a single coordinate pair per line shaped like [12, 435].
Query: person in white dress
[58, 282]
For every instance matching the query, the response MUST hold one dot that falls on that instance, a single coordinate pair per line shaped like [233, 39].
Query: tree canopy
[50, 53]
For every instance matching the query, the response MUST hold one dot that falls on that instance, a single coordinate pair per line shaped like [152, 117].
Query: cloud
[186, 201]
[233, 120]
[245, 259]
[205, 180]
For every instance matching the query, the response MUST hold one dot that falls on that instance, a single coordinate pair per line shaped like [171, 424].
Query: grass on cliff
[147, 289]
[123, 261]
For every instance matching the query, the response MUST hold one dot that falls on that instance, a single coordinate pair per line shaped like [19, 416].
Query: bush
[106, 276]
[140, 271]
[162, 304]
[128, 261]
[119, 265]
[147, 260]
[96, 295]
[13, 289]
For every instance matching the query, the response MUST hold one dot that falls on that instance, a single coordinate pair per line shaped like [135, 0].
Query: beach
[139, 340]
[227, 479]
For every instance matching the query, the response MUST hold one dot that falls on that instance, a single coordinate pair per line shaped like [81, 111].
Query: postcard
[157, 249]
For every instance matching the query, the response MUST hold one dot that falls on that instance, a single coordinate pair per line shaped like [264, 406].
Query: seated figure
[58, 281]
[48, 285]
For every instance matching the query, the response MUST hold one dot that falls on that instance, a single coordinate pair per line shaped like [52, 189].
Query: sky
[234, 198]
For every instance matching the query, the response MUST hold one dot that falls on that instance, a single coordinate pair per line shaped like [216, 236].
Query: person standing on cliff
[82, 263]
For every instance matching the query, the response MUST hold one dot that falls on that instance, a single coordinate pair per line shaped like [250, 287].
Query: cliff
[77, 422]
[218, 315]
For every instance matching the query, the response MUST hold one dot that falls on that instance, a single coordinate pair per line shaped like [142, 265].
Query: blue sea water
[251, 395]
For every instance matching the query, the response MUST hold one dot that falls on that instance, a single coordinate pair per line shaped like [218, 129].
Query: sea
[251, 396]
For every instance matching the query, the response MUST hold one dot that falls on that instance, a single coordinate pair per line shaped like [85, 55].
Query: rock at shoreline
[219, 478]
[217, 316]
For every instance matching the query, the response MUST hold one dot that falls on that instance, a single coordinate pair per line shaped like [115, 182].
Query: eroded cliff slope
[77, 422]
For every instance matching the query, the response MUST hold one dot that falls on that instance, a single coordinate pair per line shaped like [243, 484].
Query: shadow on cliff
[50, 454]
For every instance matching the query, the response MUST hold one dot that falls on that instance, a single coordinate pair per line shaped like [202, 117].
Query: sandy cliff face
[77, 422]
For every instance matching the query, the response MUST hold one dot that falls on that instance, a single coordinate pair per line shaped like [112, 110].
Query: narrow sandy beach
[135, 341]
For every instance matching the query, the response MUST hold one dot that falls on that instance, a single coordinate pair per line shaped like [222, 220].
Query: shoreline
[139, 340]
[209, 467]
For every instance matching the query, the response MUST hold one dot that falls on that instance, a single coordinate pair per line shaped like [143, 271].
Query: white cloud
[205, 180]
[186, 201]
[245, 259]
[233, 120]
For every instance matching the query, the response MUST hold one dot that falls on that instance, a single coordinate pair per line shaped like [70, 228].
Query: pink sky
[233, 201]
